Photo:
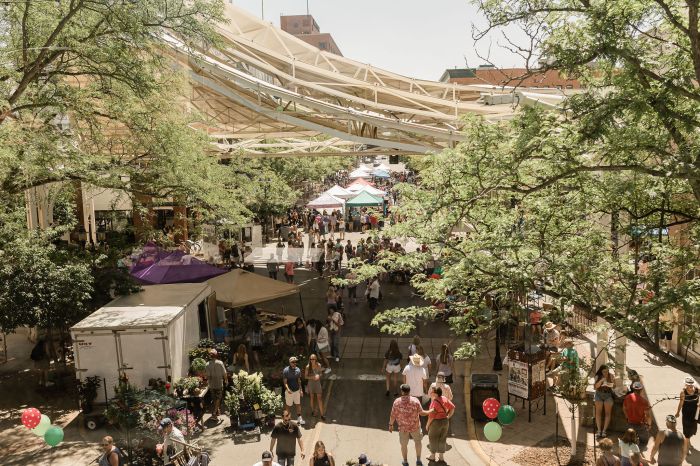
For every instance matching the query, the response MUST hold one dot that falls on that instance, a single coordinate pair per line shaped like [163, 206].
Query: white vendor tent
[326, 201]
[360, 173]
[372, 190]
[240, 288]
[339, 192]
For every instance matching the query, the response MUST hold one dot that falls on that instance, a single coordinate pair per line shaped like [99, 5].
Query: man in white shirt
[415, 375]
[373, 293]
[266, 460]
[171, 433]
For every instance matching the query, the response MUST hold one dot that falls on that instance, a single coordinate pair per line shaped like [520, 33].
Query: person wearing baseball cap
[670, 444]
[217, 378]
[688, 405]
[266, 460]
[291, 377]
[638, 413]
[173, 440]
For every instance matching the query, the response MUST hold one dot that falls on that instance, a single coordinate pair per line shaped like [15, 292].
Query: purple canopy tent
[175, 267]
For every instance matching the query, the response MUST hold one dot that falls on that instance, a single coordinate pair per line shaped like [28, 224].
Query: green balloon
[506, 414]
[54, 435]
[42, 427]
[492, 431]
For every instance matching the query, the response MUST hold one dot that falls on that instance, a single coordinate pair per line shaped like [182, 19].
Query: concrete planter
[463, 367]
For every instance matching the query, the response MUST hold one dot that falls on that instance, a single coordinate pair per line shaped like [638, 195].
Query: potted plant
[249, 394]
[198, 365]
[87, 389]
[187, 386]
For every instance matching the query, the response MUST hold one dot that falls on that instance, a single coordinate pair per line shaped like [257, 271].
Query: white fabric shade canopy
[360, 173]
[326, 201]
[372, 190]
[339, 192]
[240, 288]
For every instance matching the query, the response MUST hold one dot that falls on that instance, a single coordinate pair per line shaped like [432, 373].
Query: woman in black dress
[688, 405]
[321, 457]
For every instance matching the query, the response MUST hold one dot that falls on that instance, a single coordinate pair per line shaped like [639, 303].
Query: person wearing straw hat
[415, 375]
[688, 405]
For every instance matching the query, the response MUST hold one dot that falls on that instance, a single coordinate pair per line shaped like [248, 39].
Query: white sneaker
[301, 421]
[337, 359]
[327, 371]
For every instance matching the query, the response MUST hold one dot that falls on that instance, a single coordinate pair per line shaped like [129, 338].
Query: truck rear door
[143, 356]
[95, 355]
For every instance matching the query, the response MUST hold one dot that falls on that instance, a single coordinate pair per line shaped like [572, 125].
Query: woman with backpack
[392, 367]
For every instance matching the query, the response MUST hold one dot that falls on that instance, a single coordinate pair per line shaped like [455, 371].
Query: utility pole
[307, 7]
[262, 9]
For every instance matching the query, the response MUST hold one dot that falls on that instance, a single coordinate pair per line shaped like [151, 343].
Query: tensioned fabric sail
[364, 199]
[326, 201]
[239, 288]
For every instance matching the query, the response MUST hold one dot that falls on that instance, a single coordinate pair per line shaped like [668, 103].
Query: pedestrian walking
[406, 412]
[321, 457]
[217, 379]
[427, 363]
[324, 346]
[413, 346]
[688, 405]
[446, 363]
[392, 367]
[351, 277]
[440, 382]
[111, 454]
[637, 411]
[300, 335]
[670, 444]
[335, 324]
[312, 374]
[441, 410]
[603, 399]
[607, 458]
[272, 267]
[373, 291]
[414, 374]
[289, 271]
[266, 460]
[240, 359]
[629, 444]
[255, 339]
[341, 228]
[311, 335]
[291, 377]
[286, 435]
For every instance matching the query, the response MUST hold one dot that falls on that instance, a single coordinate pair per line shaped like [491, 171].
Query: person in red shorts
[637, 411]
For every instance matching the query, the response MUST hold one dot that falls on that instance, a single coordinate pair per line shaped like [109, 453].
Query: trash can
[483, 386]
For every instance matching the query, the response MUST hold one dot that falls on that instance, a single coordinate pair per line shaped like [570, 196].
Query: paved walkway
[661, 382]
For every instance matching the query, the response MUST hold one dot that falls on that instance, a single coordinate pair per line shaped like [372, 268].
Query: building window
[322, 45]
[296, 25]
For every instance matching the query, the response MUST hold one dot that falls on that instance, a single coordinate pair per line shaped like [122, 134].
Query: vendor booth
[326, 201]
[360, 173]
[340, 192]
[377, 173]
[144, 335]
[156, 266]
[357, 184]
[239, 288]
[364, 199]
[372, 190]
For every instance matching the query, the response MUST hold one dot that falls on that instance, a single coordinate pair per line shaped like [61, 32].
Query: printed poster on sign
[518, 378]
[538, 373]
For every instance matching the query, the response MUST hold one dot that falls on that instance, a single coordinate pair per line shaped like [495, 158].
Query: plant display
[136, 409]
[87, 390]
[248, 390]
[187, 385]
[198, 365]
[202, 350]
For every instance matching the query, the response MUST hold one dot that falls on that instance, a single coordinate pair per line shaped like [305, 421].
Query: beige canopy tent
[239, 288]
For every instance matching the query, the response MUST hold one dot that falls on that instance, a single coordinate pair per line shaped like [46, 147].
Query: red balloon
[490, 407]
[31, 418]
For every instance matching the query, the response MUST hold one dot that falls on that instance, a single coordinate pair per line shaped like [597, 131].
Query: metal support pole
[497, 361]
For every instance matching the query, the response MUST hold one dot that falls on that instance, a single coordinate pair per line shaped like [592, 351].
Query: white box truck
[144, 335]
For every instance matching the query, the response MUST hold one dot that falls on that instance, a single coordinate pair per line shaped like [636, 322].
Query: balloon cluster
[493, 409]
[40, 425]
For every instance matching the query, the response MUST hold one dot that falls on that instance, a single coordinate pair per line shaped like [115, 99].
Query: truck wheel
[91, 424]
